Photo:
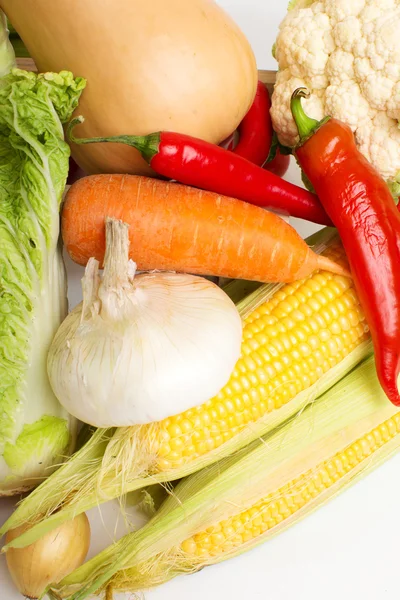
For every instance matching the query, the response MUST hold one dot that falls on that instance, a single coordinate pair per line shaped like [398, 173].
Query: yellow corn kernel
[273, 510]
[298, 341]
[289, 342]
[244, 499]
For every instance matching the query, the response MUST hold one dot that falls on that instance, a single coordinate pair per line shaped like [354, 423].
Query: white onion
[142, 348]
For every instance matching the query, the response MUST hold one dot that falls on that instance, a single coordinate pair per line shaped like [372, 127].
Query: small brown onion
[51, 558]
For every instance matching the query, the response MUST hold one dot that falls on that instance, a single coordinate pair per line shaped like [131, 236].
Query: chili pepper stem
[147, 145]
[205, 165]
[306, 126]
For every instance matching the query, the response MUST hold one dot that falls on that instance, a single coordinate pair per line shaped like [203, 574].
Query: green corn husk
[114, 462]
[238, 289]
[353, 417]
[149, 499]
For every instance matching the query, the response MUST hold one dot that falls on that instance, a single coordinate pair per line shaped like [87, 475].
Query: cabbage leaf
[35, 431]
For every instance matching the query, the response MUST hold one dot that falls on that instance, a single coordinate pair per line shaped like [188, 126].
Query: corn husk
[355, 406]
[113, 463]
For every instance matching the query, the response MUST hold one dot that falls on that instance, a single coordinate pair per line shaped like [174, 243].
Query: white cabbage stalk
[142, 348]
[36, 432]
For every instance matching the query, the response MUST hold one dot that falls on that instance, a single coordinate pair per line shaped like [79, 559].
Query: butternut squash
[151, 65]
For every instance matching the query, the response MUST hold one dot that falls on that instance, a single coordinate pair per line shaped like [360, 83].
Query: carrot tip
[326, 264]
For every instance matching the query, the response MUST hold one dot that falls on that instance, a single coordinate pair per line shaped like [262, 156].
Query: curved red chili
[256, 136]
[255, 131]
[279, 164]
[360, 205]
[207, 166]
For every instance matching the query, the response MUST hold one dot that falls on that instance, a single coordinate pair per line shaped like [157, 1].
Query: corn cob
[298, 340]
[246, 498]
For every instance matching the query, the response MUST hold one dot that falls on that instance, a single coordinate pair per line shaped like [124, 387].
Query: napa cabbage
[35, 431]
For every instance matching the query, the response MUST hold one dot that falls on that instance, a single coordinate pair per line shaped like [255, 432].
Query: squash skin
[151, 65]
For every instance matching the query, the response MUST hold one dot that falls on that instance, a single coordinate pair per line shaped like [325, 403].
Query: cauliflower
[347, 53]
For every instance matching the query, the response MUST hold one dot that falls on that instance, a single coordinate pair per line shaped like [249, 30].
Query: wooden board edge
[268, 78]
[26, 64]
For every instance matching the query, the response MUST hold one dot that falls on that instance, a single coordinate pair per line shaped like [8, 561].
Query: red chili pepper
[207, 166]
[256, 136]
[255, 131]
[360, 205]
[278, 165]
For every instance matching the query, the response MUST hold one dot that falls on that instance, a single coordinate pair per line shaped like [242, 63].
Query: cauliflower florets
[347, 53]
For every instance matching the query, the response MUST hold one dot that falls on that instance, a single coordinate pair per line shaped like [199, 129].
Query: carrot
[178, 228]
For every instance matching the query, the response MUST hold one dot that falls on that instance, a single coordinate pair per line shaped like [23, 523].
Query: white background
[348, 549]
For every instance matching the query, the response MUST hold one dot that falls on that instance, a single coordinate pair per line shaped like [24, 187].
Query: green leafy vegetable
[34, 162]
[36, 444]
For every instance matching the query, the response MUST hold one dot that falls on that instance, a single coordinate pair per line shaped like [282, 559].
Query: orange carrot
[178, 228]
